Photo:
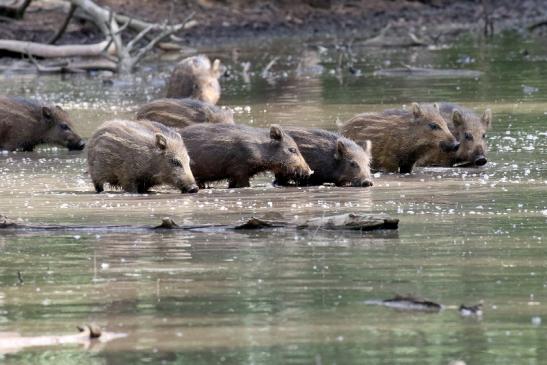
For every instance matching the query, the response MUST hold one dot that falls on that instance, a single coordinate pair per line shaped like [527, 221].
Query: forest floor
[232, 21]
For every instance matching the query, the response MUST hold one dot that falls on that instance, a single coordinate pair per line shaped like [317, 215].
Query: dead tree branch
[14, 12]
[62, 30]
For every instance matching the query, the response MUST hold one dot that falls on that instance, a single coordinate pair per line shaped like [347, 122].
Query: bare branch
[62, 30]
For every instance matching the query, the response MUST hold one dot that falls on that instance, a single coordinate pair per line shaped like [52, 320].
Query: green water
[286, 297]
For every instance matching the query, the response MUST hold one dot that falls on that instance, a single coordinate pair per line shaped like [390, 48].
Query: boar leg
[99, 187]
[406, 168]
[280, 180]
[239, 182]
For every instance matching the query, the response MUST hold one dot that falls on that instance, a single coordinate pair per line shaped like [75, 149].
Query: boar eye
[353, 164]
[64, 126]
[175, 162]
[468, 136]
[292, 150]
[434, 126]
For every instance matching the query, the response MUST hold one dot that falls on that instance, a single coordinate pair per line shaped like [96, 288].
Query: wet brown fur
[237, 152]
[469, 129]
[400, 138]
[138, 155]
[180, 113]
[26, 123]
[332, 157]
[194, 77]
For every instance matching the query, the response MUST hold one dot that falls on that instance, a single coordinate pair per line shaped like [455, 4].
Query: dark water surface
[292, 297]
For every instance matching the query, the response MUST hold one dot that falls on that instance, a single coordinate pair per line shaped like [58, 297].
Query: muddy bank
[218, 22]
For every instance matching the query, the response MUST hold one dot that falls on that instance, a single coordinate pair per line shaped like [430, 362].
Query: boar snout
[367, 183]
[480, 161]
[192, 189]
[76, 146]
[450, 146]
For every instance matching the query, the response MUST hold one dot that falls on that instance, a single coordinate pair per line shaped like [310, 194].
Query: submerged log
[409, 303]
[426, 72]
[13, 342]
[352, 221]
[349, 221]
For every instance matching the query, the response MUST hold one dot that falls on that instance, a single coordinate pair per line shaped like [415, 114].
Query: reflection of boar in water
[180, 113]
[237, 152]
[400, 138]
[470, 130]
[138, 155]
[195, 77]
[26, 123]
[333, 158]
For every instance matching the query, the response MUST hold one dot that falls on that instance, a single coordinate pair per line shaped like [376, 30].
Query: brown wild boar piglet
[138, 155]
[333, 158]
[237, 152]
[401, 138]
[180, 113]
[194, 77]
[26, 123]
[470, 130]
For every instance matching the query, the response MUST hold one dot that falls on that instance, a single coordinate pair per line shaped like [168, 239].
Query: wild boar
[401, 138]
[333, 158]
[26, 123]
[137, 156]
[195, 77]
[237, 152]
[180, 113]
[470, 130]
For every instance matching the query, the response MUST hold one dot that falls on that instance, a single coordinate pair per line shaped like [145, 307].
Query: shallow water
[466, 235]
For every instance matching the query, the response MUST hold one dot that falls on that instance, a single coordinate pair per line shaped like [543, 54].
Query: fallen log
[52, 51]
[349, 222]
[409, 71]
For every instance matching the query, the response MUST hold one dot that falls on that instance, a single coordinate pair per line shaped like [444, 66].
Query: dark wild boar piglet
[194, 77]
[180, 113]
[333, 158]
[26, 123]
[238, 152]
[137, 156]
[400, 138]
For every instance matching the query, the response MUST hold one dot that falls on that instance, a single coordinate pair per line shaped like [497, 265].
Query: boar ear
[417, 110]
[215, 69]
[341, 149]
[486, 118]
[436, 106]
[276, 133]
[457, 118]
[161, 141]
[367, 146]
[58, 107]
[47, 114]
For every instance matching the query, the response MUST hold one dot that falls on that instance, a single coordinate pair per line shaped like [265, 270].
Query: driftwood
[411, 303]
[14, 12]
[51, 51]
[124, 55]
[426, 72]
[349, 222]
[10, 342]
[409, 39]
